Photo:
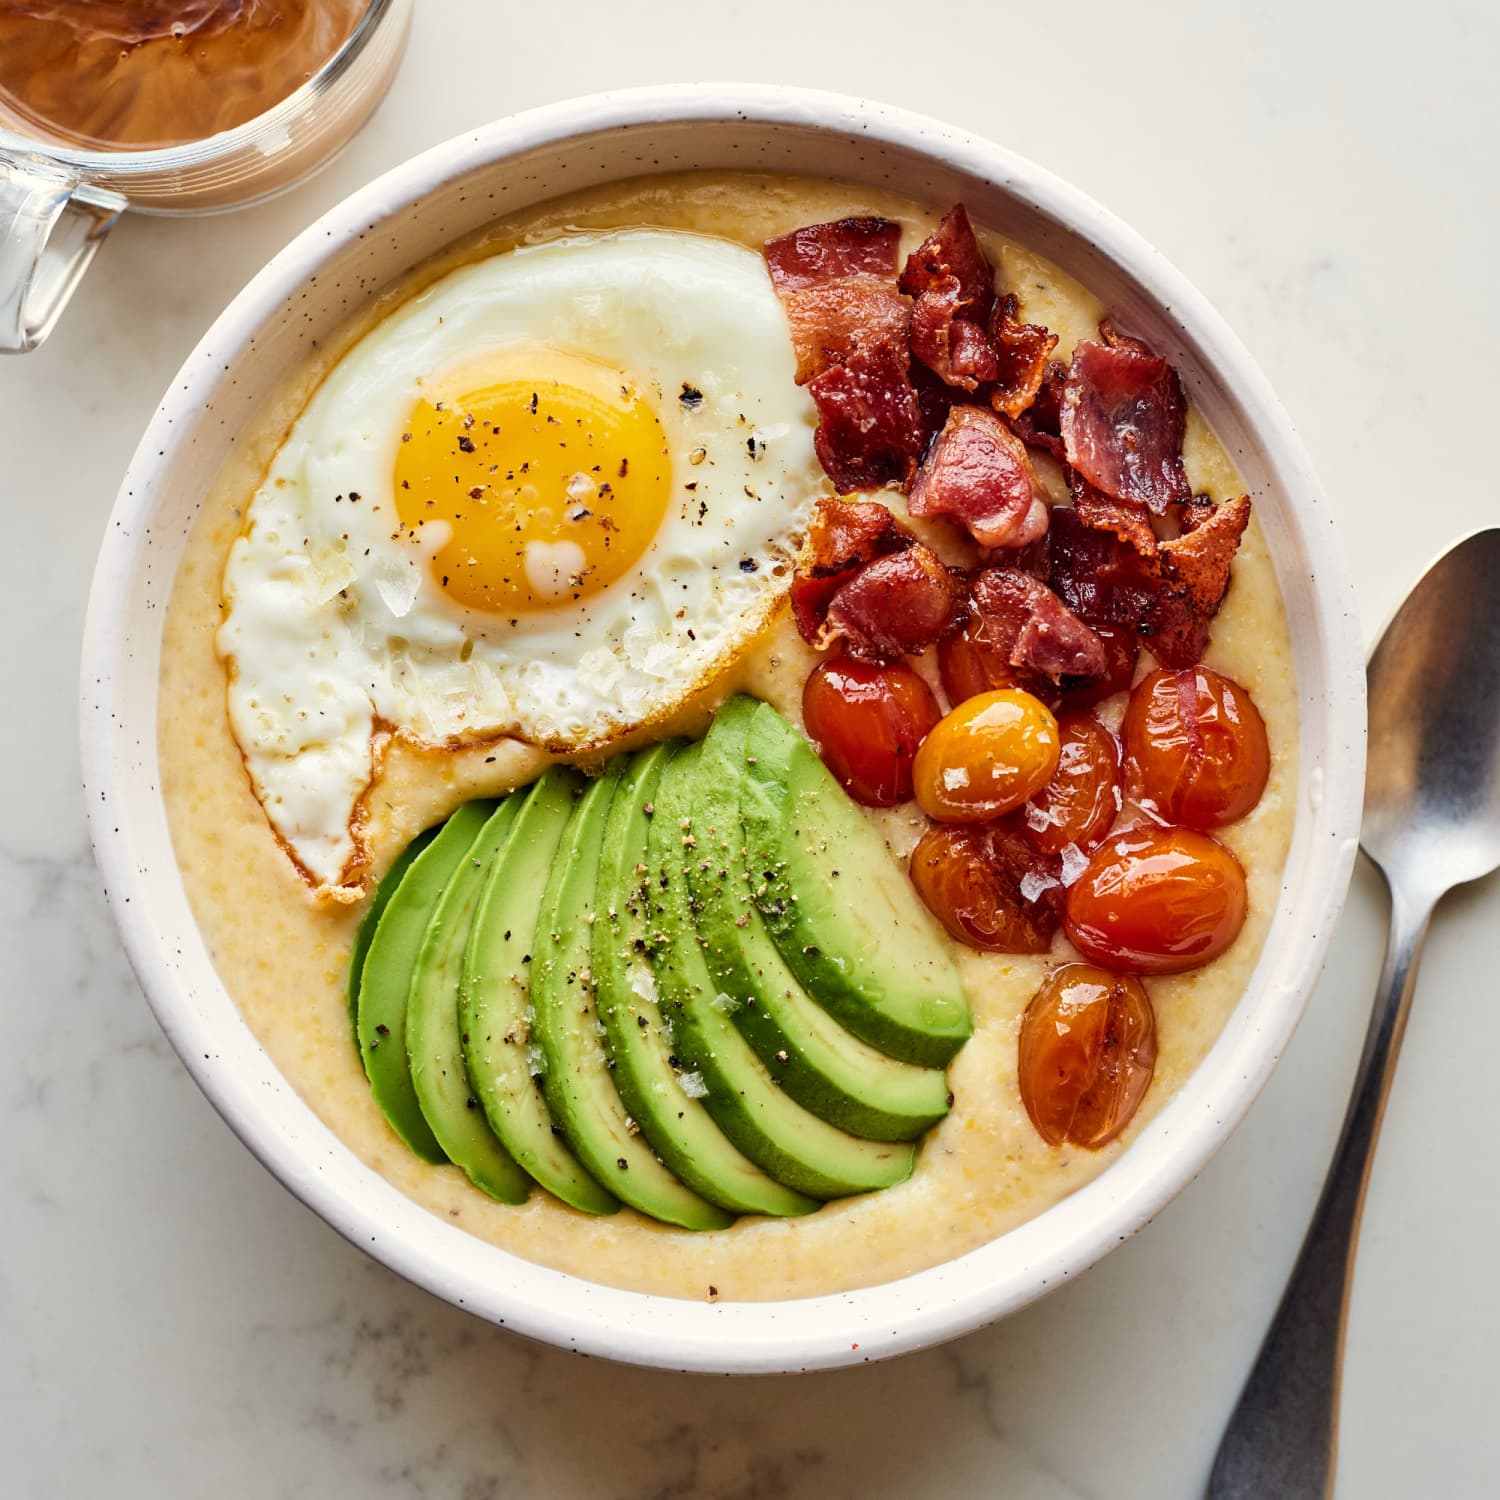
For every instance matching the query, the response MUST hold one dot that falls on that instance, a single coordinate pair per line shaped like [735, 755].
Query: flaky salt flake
[1074, 863]
[1033, 883]
[1039, 819]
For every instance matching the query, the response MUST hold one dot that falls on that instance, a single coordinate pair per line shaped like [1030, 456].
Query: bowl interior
[303, 296]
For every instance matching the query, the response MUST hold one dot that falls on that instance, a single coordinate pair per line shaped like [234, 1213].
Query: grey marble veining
[172, 1323]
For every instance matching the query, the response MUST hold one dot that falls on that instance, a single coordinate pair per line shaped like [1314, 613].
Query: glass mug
[60, 193]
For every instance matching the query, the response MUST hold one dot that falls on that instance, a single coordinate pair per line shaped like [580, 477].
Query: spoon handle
[1282, 1438]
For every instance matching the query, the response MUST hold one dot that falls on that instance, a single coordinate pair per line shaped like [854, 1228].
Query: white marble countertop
[174, 1323]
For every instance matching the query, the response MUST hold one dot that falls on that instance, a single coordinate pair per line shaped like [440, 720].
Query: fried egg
[549, 497]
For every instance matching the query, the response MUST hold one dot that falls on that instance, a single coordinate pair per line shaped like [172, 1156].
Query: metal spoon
[1431, 822]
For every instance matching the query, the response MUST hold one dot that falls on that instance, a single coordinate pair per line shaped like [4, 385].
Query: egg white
[335, 630]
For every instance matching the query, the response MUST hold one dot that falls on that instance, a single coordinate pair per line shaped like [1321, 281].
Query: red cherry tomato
[974, 881]
[1122, 648]
[1083, 798]
[986, 757]
[1196, 747]
[1157, 901]
[868, 722]
[1087, 1051]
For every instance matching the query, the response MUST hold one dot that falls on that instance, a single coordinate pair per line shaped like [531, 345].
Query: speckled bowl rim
[118, 726]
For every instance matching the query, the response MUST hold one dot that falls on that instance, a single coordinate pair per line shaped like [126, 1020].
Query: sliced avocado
[815, 1060]
[874, 958]
[793, 1145]
[365, 932]
[386, 976]
[680, 1129]
[494, 1009]
[577, 1078]
[434, 1046]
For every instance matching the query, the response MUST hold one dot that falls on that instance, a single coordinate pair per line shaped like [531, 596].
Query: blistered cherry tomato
[1122, 647]
[1083, 798]
[868, 722]
[1156, 901]
[969, 666]
[1196, 747]
[1088, 1048]
[986, 757]
[988, 887]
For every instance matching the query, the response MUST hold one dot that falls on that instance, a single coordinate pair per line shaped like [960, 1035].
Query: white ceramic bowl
[409, 214]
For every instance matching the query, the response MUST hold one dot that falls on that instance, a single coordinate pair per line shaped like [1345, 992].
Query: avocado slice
[386, 977]
[577, 1077]
[874, 957]
[494, 1004]
[364, 934]
[680, 1129]
[815, 1060]
[774, 1131]
[434, 1046]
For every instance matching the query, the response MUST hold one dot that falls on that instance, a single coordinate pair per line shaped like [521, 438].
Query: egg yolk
[550, 480]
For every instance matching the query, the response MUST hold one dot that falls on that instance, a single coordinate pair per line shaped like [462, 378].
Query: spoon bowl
[1432, 790]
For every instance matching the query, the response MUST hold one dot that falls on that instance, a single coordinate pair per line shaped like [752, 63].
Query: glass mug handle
[51, 223]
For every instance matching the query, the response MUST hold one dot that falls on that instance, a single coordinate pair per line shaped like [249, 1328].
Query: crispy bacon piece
[935, 399]
[953, 249]
[954, 285]
[953, 347]
[837, 281]
[977, 471]
[870, 427]
[824, 252]
[1039, 426]
[1178, 636]
[1122, 421]
[1200, 558]
[1193, 513]
[1104, 580]
[970, 356]
[1015, 613]
[1035, 558]
[1128, 519]
[895, 606]
[834, 320]
[1168, 596]
[1021, 351]
[842, 537]
[845, 534]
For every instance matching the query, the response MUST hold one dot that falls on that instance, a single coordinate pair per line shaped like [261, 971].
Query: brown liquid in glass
[135, 75]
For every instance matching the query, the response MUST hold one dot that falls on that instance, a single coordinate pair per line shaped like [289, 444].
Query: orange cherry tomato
[969, 666]
[1196, 747]
[1156, 901]
[868, 722]
[975, 882]
[1087, 1052]
[1083, 798]
[986, 757]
